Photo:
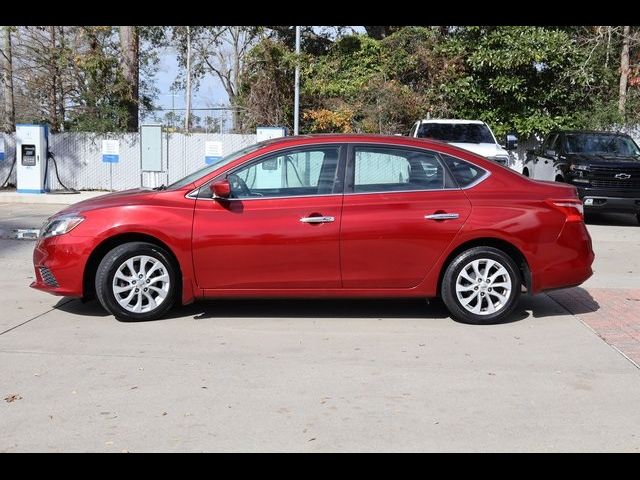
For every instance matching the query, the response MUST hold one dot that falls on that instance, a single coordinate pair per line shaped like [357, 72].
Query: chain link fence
[79, 158]
[80, 165]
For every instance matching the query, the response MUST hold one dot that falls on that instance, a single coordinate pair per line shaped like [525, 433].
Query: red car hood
[134, 196]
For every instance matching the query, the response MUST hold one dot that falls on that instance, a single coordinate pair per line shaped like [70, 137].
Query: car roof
[450, 120]
[329, 137]
[295, 140]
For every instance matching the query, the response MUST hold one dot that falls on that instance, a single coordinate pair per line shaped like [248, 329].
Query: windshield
[192, 177]
[607, 144]
[456, 132]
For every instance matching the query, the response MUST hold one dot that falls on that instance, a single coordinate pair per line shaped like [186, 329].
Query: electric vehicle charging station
[31, 158]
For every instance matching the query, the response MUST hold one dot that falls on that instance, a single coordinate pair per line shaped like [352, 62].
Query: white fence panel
[80, 166]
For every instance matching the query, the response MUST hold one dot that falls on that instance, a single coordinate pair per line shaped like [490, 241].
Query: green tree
[526, 79]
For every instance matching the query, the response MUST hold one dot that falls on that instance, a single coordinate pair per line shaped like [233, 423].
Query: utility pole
[296, 105]
[187, 117]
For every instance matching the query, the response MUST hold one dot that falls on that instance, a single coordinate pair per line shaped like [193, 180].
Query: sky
[210, 91]
[209, 94]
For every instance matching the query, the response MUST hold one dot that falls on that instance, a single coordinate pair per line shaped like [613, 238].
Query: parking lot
[323, 375]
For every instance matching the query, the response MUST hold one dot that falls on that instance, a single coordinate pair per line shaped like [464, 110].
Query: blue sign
[1, 156]
[110, 158]
[110, 151]
[211, 160]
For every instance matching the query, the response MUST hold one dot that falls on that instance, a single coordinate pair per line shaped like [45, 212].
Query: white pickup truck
[472, 135]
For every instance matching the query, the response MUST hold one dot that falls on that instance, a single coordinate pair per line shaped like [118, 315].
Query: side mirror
[511, 142]
[221, 189]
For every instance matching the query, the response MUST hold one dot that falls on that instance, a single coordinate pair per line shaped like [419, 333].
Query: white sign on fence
[267, 133]
[212, 152]
[111, 151]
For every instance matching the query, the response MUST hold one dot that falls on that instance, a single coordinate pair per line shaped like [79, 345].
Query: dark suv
[604, 167]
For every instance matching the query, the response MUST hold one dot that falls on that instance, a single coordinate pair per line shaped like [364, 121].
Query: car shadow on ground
[536, 307]
[575, 300]
[613, 219]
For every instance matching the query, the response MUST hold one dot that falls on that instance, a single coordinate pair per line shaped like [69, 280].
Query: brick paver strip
[612, 313]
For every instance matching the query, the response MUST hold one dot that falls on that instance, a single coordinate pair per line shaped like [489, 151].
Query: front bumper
[59, 264]
[623, 201]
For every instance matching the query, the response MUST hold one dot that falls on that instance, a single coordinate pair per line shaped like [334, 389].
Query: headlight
[60, 225]
[581, 168]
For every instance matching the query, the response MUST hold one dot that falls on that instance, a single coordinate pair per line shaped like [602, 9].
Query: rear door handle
[317, 219]
[442, 216]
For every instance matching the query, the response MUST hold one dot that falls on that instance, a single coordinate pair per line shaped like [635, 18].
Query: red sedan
[323, 216]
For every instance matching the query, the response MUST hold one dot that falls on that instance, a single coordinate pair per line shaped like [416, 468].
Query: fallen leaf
[311, 439]
[12, 398]
[108, 443]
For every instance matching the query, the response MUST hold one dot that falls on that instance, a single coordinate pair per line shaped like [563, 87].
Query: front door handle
[442, 216]
[317, 219]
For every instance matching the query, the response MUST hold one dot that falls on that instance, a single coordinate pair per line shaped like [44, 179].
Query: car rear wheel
[136, 281]
[481, 286]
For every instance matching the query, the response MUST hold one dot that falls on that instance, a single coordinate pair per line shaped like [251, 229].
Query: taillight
[572, 208]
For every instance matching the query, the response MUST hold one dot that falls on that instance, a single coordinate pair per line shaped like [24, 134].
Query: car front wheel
[136, 281]
[481, 286]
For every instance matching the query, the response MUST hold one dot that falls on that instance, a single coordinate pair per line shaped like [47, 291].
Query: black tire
[638, 217]
[525, 172]
[448, 287]
[108, 268]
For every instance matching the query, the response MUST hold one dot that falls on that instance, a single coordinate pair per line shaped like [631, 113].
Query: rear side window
[383, 169]
[464, 173]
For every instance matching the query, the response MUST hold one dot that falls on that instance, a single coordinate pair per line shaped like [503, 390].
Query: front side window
[549, 144]
[387, 169]
[310, 171]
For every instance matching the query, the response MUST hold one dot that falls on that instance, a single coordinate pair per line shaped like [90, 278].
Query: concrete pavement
[58, 198]
[312, 375]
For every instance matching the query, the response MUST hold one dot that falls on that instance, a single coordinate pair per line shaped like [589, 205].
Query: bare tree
[223, 52]
[130, 47]
[624, 70]
[8, 118]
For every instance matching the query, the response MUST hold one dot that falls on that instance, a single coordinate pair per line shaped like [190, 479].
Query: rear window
[464, 173]
[456, 132]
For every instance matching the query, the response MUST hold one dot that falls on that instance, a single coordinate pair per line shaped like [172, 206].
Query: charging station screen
[29, 155]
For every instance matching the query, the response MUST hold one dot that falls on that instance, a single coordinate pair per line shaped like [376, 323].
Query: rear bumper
[610, 200]
[59, 265]
[572, 259]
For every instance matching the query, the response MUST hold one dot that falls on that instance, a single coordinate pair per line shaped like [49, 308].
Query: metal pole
[296, 106]
[187, 117]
